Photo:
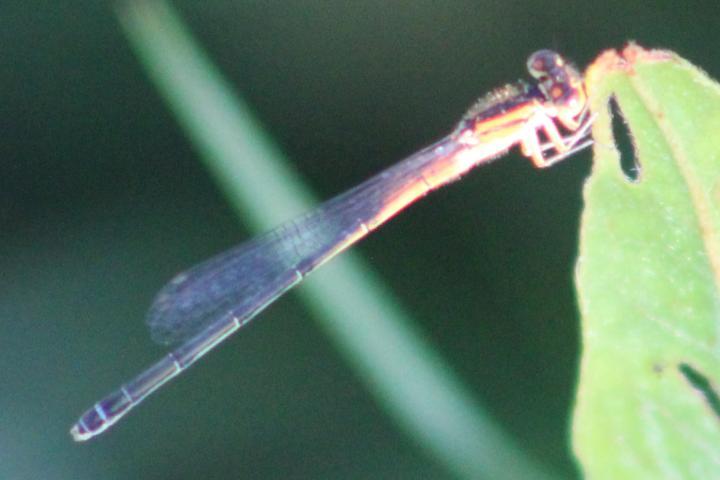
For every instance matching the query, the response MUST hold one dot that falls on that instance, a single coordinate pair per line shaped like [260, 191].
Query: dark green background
[102, 199]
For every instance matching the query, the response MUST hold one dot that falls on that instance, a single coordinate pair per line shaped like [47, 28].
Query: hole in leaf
[621, 133]
[701, 383]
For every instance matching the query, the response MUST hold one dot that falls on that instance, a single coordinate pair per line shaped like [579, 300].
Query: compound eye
[556, 92]
[565, 96]
[542, 62]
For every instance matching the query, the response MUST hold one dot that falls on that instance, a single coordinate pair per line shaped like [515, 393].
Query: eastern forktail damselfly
[201, 307]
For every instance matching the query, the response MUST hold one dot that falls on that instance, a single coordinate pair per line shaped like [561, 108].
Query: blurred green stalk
[408, 378]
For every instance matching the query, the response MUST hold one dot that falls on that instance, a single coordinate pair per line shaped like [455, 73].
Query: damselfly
[200, 308]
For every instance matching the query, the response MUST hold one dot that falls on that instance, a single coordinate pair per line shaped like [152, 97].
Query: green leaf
[648, 275]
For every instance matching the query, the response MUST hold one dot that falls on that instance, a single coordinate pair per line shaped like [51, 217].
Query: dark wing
[245, 279]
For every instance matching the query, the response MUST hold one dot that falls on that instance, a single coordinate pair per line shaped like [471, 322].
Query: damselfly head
[560, 82]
